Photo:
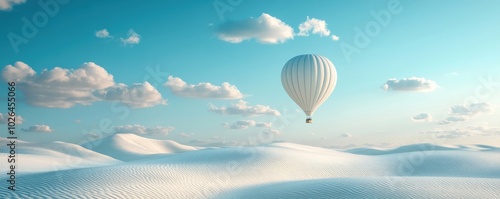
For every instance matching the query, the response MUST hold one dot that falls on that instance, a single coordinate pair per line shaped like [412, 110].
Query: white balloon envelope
[309, 80]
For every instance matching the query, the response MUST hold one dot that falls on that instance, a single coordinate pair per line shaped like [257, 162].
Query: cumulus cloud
[242, 108]
[186, 135]
[265, 29]
[103, 34]
[59, 87]
[471, 109]
[4, 119]
[464, 112]
[64, 88]
[264, 124]
[214, 143]
[202, 90]
[272, 131]
[316, 26]
[335, 37]
[463, 132]
[133, 38]
[8, 4]
[346, 135]
[143, 130]
[38, 128]
[422, 117]
[244, 124]
[410, 84]
[136, 96]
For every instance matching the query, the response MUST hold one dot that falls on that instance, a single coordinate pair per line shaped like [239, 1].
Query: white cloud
[471, 109]
[234, 126]
[186, 135]
[272, 131]
[214, 143]
[241, 108]
[64, 88]
[244, 124]
[459, 113]
[265, 29]
[103, 34]
[463, 132]
[316, 26]
[8, 4]
[141, 130]
[202, 90]
[133, 38]
[410, 84]
[335, 37]
[4, 119]
[59, 87]
[346, 135]
[17, 72]
[38, 128]
[264, 124]
[136, 96]
[422, 117]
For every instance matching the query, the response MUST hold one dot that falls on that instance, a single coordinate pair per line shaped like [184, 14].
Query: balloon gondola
[309, 80]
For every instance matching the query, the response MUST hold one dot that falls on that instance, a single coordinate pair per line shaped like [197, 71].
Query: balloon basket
[309, 120]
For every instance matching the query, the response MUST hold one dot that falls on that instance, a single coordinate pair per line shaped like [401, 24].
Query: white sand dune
[52, 156]
[279, 170]
[374, 187]
[127, 147]
[421, 147]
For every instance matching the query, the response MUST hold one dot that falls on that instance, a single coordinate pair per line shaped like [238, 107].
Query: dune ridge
[128, 147]
[278, 170]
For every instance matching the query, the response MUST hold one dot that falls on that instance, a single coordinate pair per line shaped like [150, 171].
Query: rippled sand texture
[281, 170]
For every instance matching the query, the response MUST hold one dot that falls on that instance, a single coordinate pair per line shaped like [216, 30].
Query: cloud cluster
[4, 119]
[214, 142]
[422, 117]
[103, 34]
[38, 129]
[242, 108]
[64, 88]
[346, 135]
[186, 135]
[316, 26]
[132, 38]
[244, 124]
[464, 132]
[269, 29]
[8, 4]
[265, 29]
[464, 112]
[202, 90]
[139, 95]
[410, 84]
[143, 130]
[471, 109]
[272, 131]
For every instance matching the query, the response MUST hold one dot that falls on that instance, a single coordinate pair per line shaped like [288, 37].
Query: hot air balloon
[309, 80]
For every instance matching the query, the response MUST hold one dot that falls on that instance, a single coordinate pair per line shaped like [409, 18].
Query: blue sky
[438, 60]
